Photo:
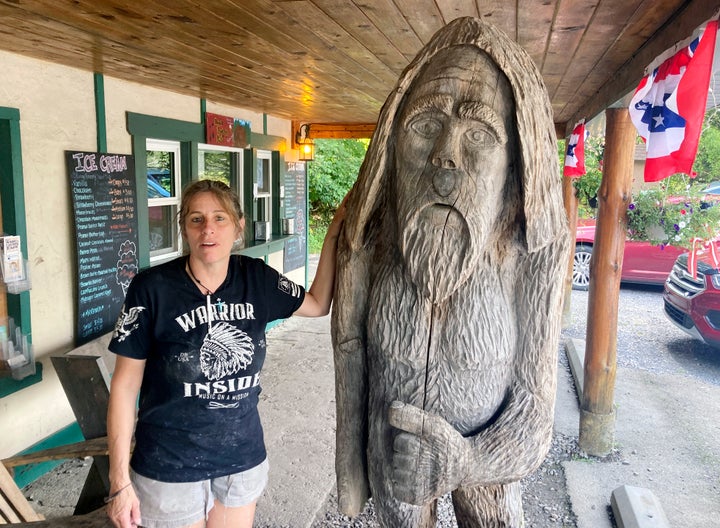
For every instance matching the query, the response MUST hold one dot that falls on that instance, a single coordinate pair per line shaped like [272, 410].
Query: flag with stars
[669, 105]
[575, 152]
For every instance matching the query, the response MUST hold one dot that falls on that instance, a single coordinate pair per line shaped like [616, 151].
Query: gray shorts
[177, 504]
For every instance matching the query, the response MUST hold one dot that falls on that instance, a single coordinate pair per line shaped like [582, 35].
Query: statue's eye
[481, 136]
[426, 126]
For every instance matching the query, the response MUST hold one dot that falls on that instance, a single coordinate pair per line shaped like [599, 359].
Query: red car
[694, 304]
[643, 263]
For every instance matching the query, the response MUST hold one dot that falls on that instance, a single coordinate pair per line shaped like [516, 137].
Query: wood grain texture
[334, 60]
[449, 288]
[14, 507]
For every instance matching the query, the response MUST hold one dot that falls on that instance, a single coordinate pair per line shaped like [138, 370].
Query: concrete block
[635, 507]
[575, 351]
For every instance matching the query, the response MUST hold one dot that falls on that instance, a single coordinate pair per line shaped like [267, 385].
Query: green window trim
[101, 126]
[13, 204]
[143, 127]
[12, 192]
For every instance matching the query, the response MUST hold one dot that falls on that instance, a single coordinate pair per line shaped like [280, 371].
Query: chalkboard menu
[295, 207]
[104, 200]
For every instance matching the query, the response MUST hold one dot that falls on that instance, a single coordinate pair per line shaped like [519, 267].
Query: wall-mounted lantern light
[304, 143]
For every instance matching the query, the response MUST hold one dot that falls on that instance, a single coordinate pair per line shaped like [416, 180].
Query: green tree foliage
[215, 166]
[333, 173]
[587, 186]
[330, 177]
[707, 161]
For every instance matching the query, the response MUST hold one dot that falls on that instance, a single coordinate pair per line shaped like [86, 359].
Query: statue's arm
[349, 345]
[518, 441]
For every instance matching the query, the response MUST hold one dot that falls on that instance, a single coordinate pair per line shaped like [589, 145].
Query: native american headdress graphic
[225, 351]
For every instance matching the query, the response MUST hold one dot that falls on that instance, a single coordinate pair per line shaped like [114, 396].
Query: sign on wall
[295, 207]
[104, 197]
[226, 131]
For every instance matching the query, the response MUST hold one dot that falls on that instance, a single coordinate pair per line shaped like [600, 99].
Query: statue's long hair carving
[538, 167]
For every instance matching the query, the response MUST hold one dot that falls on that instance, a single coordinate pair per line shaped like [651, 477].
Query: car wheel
[581, 268]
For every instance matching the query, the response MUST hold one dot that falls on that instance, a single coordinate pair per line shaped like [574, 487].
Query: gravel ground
[646, 340]
[545, 500]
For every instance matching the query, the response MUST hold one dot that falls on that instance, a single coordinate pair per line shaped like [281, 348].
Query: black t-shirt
[198, 415]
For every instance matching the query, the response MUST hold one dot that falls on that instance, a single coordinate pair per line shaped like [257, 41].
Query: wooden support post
[597, 415]
[570, 201]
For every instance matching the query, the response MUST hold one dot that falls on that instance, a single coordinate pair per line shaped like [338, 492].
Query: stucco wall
[122, 96]
[57, 113]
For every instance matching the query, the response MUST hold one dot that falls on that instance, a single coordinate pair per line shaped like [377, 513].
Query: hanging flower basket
[673, 220]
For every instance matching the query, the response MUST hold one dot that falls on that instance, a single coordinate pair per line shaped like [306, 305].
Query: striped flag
[669, 105]
[575, 153]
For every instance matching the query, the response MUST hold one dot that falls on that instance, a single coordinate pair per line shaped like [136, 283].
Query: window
[221, 163]
[163, 188]
[262, 190]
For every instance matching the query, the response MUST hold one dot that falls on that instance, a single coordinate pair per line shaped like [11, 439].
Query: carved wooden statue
[450, 270]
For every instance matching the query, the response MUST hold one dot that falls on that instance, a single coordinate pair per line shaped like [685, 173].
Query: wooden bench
[17, 511]
[85, 378]
[86, 448]
[96, 519]
[14, 507]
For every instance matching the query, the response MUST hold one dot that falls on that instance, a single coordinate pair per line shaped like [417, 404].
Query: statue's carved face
[454, 148]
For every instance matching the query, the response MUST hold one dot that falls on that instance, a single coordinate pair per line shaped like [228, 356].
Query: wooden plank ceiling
[335, 61]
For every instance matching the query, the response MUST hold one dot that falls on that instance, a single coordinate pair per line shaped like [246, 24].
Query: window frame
[237, 166]
[164, 145]
[265, 196]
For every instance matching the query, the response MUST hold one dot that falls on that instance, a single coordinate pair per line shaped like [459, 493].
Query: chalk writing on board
[104, 200]
[295, 203]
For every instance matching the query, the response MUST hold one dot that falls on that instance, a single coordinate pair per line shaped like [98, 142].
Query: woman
[191, 341]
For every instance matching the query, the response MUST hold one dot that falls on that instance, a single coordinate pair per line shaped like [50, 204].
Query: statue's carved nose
[444, 183]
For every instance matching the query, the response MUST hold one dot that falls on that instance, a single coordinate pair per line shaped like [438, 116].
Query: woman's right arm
[123, 506]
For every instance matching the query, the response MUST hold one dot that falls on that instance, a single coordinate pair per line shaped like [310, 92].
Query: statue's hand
[430, 458]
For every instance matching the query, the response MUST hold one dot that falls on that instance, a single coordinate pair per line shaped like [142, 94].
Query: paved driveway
[667, 399]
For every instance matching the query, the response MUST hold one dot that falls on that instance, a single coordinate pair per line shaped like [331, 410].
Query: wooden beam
[334, 131]
[597, 414]
[14, 507]
[93, 447]
[562, 131]
[341, 130]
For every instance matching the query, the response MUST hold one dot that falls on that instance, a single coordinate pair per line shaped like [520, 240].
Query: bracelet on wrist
[112, 496]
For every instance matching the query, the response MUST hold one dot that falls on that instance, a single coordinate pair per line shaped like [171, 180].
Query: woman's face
[209, 229]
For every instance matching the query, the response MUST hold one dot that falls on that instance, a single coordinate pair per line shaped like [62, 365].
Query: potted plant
[662, 218]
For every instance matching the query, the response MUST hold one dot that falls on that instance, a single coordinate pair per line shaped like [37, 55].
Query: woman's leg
[222, 516]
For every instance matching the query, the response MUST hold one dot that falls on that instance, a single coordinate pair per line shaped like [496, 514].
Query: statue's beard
[438, 251]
